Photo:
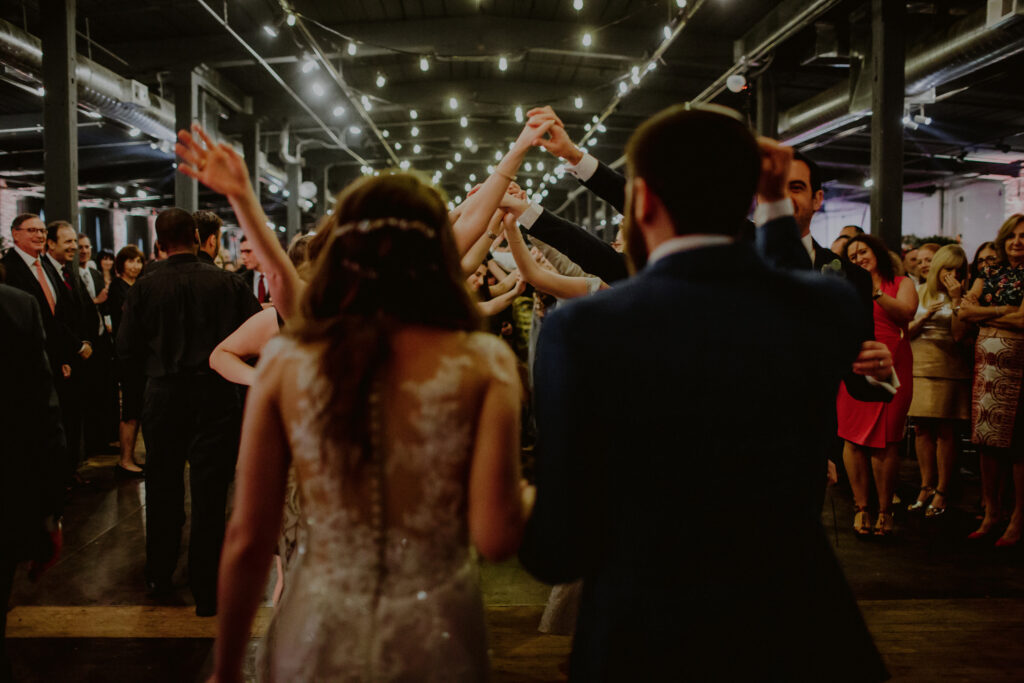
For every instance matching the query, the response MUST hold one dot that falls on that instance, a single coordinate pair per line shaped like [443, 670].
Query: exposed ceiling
[977, 123]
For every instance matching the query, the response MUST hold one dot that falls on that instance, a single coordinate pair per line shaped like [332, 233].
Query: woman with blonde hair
[996, 304]
[942, 375]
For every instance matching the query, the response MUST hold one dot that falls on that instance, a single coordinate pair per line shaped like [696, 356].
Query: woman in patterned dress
[996, 304]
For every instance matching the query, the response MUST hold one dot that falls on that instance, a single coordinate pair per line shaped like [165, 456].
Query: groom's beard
[636, 247]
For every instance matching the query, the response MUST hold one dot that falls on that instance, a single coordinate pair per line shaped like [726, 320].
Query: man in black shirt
[209, 224]
[172, 320]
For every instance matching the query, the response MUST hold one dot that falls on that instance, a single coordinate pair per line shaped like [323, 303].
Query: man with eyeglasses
[29, 270]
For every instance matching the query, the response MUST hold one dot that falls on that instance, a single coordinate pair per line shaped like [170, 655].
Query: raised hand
[775, 161]
[533, 134]
[217, 166]
[515, 203]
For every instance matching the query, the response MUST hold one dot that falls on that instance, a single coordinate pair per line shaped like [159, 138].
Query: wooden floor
[940, 609]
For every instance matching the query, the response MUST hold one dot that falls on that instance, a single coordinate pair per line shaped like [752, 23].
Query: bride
[402, 423]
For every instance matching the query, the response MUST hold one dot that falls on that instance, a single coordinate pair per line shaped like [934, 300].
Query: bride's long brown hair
[385, 259]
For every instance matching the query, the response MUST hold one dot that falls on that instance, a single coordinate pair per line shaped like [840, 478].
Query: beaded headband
[368, 225]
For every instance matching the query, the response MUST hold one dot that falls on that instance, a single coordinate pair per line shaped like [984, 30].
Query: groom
[678, 481]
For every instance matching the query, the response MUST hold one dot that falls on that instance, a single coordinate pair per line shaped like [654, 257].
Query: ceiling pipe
[972, 43]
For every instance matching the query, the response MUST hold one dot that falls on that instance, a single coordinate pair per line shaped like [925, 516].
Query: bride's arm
[219, 167]
[255, 524]
[496, 510]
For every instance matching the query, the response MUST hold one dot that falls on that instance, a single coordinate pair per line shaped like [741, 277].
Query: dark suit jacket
[63, 334]
[779, 243]
[33, 453]
[591, 253]
[677, 467]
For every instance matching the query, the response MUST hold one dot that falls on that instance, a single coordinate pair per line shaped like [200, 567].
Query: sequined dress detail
[385, 586]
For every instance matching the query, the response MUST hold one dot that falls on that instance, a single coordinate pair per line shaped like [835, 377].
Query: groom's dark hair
[703, 165]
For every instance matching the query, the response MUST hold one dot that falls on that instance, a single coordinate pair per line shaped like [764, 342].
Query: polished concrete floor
[939, 607]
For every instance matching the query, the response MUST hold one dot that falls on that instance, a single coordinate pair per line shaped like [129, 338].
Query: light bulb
[424, 64]
[338, 111]
[458, 157]
[497, 155]
[367, 105]
[577, 5]
[528, 166]
[468, 142]
[463, 121]
[578, 101]
[453, 103]
[405, 165]
[416, 149]
[414, 131]
[540, 165]
[352, 49]
[398, 145]
[588, 40]
[503, 64]
[413, 114]
[623, 88]
[667, 32]
[381, 81]
[120, 189]
[270, 30]
[290, 20]
[449, 165]
[519, 114]
[355, 130]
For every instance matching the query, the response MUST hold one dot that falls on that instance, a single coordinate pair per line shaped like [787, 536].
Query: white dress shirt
[30, 261]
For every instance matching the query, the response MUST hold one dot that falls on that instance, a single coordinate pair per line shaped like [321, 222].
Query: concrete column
[251, 150]
[888, 52]
[186, 110]
[60, 110]
[294, 222]
[767, 107]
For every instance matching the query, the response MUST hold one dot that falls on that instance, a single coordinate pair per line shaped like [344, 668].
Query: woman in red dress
[872, 430]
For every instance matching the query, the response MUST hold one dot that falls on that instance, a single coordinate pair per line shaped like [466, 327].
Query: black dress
[132, 384]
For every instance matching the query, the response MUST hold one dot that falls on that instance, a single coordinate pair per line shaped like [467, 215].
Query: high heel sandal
[885, 524]
[933, 511]
[983, 532]
[861, 521]
[920, 503]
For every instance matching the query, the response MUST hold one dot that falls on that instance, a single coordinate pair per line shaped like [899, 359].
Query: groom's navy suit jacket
[680, 416]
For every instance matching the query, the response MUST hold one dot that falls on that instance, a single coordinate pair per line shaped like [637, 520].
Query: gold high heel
[885, 524]
[918, 504]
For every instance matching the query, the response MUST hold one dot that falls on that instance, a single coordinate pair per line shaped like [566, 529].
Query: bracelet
[876, 295]
[511, 178]
[492, 236]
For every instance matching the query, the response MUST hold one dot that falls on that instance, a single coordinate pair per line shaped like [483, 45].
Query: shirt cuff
[530, 215]
[584, 170]
[769, 211]
[891, 386]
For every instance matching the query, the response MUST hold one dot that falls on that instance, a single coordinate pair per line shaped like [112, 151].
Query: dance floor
[939, 608]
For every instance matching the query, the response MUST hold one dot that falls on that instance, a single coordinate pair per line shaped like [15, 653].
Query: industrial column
[186, 110]
[767, 107]
[60, 111]
[888, 50]
[294, 222]
[251, 149]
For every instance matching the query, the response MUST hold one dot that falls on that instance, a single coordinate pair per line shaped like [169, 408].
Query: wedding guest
[985, 257]
[996, 304]
[127, 269]
[872, 430]
[942, 376]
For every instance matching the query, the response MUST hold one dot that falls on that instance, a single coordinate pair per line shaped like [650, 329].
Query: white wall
[972, 212]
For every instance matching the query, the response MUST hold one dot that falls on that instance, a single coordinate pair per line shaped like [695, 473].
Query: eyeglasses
[989, 259]
[34, 231]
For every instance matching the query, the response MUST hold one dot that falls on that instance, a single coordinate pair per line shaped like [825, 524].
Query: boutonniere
[833, 267]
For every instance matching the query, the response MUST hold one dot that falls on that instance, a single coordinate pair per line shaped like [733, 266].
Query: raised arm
[508, 282]
[255, 524]
[502, 301]
[472, 259]
[245, 343]
[546, 281]
[221, 169]
[478, 209]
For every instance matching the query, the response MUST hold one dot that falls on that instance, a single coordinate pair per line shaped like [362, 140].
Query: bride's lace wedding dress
[385, 586]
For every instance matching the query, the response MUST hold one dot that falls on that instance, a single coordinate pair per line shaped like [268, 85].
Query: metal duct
[971, 44]
[120, 99]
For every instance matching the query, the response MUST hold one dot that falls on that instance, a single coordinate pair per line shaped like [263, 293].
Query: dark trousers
[195, 418]
[99, 406]
[70, 398]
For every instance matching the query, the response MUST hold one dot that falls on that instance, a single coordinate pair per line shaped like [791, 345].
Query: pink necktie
[41, 276]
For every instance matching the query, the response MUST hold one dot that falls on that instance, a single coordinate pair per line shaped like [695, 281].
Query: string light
[424, 64]
[453, 103]
[458, 157]
[502, 64]
[540, 165]
[464, 122]
[318, 89]
[120, 189]
[472, 177]
[404, 165]
[497, 155]
[577, 5]
[413, 114]
[519, 114]
[355, 130]
[416, 149]
[449, 165]
[309, 64]
[588, 40]
[381, 81]
[270, 30]
[635, 75]
[290, 20]
[414, 131]
[367, 105]
[468, 142]
[578, 101]
[352, 49]
[398, 146]
[623, 88]
[528, 166]
[680, 3]
[386, 133]
[667, 31]
[134, 132]
[338, 111]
